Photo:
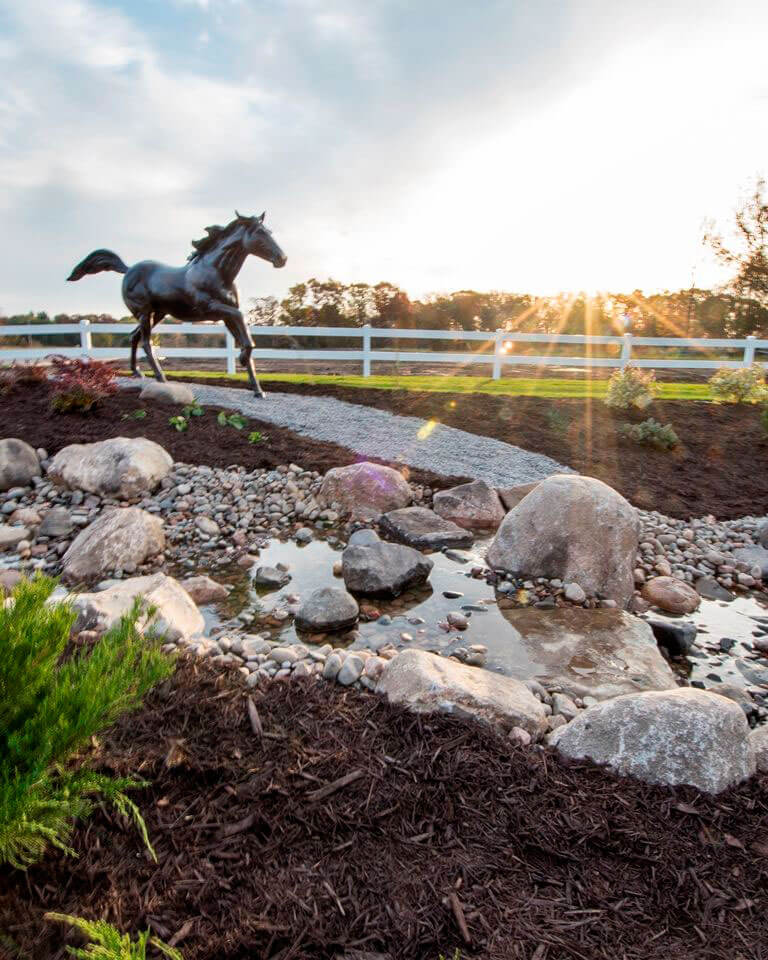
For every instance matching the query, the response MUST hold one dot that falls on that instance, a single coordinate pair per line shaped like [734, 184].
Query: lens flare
[425, 431]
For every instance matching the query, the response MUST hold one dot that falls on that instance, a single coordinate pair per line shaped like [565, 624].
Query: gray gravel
[377, 433]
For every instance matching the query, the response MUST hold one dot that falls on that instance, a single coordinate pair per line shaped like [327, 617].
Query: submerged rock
[423, 529]
[383, 569]
[675, 737]
[326, 610]
[203, 589]
[427, 683]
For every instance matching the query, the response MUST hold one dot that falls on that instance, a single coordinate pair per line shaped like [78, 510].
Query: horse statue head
[250, 232]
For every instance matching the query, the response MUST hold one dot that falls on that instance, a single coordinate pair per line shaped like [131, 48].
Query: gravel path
[377, 433]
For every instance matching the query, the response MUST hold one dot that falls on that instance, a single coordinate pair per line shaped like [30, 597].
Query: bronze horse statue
[203, 289]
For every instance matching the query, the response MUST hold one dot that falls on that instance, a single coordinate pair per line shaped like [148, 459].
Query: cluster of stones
[572, 534]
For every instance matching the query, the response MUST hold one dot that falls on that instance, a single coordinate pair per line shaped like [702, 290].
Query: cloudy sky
[528, 145]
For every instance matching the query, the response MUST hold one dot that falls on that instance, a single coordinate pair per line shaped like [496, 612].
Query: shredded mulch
[26, 413]
[320, 822]
[718, 469]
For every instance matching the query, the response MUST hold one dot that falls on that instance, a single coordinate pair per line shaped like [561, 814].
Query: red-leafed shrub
[79, 384]
[22, 373]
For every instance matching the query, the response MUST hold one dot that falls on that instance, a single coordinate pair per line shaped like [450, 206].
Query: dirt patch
[263, 854]
[719, 468]
[26, 414]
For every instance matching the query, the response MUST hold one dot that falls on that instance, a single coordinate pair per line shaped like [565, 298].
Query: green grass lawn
[507, 387]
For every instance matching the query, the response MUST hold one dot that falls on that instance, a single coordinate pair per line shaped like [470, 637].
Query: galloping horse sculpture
[203, 289]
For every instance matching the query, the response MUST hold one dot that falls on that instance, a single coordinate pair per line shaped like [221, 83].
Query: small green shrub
[742, 385]
[650, 431]
[236, 420]
[134, 415]
[558, 422]
[256, 436]
[631, 387]
[180, 424]
[51, 707]
[107, 943]
[192, 410]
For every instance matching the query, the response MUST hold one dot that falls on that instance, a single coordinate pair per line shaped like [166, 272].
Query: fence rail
[494, 348]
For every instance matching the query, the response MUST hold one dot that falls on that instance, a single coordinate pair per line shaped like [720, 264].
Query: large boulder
[474, 506]
[383, 569]
[671, 595]
[364, 490]
[327, 610]
[575, 529]
[19, 464]
[427, 683]
[683, 736]
[164, 392]
[423, 529]
[121, 467]
[598, 653]
[120, 539]
[176, 615]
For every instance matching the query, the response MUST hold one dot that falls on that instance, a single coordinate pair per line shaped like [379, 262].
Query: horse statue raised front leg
[203, 289]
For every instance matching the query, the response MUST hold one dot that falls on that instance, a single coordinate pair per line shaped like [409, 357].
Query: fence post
[86, 342]
[626, 349]
[497, 352]
[367, 350]
[231, 368]
[749, 352]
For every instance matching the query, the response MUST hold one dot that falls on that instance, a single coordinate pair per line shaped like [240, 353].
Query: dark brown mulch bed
[439, 818]
[26, 413]
[720, 467]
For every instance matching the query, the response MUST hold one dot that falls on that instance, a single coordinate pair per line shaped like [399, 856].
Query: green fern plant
[51, 707]
[107, 943]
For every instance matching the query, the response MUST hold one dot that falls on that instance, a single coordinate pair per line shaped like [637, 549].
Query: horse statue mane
[215, 234]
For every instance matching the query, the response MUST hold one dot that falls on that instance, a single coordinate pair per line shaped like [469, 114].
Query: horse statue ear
[261, 218]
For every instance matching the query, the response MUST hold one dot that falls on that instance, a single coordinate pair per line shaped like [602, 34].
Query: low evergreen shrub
[631, 387]
[50, 707]
[650, 431]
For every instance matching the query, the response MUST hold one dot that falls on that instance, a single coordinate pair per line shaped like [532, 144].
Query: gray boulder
[8, 580]
[755, 557]
[363, 538]
[762, 534]
[57, 524]
[759, 741]
[120, 539]
[675, 737]
[383, 569]
[364, 490]
[19, 464]
[571, 528]
[121, 467]
[474, 506]
[427, 683]
[511, 496]
[203, 589]
[176, 615]
[424, 529]
[179, 393]
[11, 537]
[270, 577]
[326, 610]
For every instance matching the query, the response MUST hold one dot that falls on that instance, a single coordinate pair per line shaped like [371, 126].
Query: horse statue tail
[96, 262]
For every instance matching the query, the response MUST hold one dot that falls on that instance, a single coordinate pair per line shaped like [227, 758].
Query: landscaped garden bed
[718, 469]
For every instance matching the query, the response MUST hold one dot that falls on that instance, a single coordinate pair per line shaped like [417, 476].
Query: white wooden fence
[499, 346]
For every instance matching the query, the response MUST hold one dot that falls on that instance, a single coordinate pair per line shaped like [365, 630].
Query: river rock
[120, 539]
[121, 467]
[383, 569]
[326, 610]
[427, 683]
[677, 638]
[11, 537]
[19, 464]
[671, 595]
[675, 737]
[176, 616]
[364, 490]
[424, 529]
[710, 589]
[762, 534]
[57, 524]
[364, 537]
[474, 506]
[271, 577]
[571, 528]
[755, 557]
[157, 392]
[511, 496]
[598, 653]
[204, 590]
[8, 580]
